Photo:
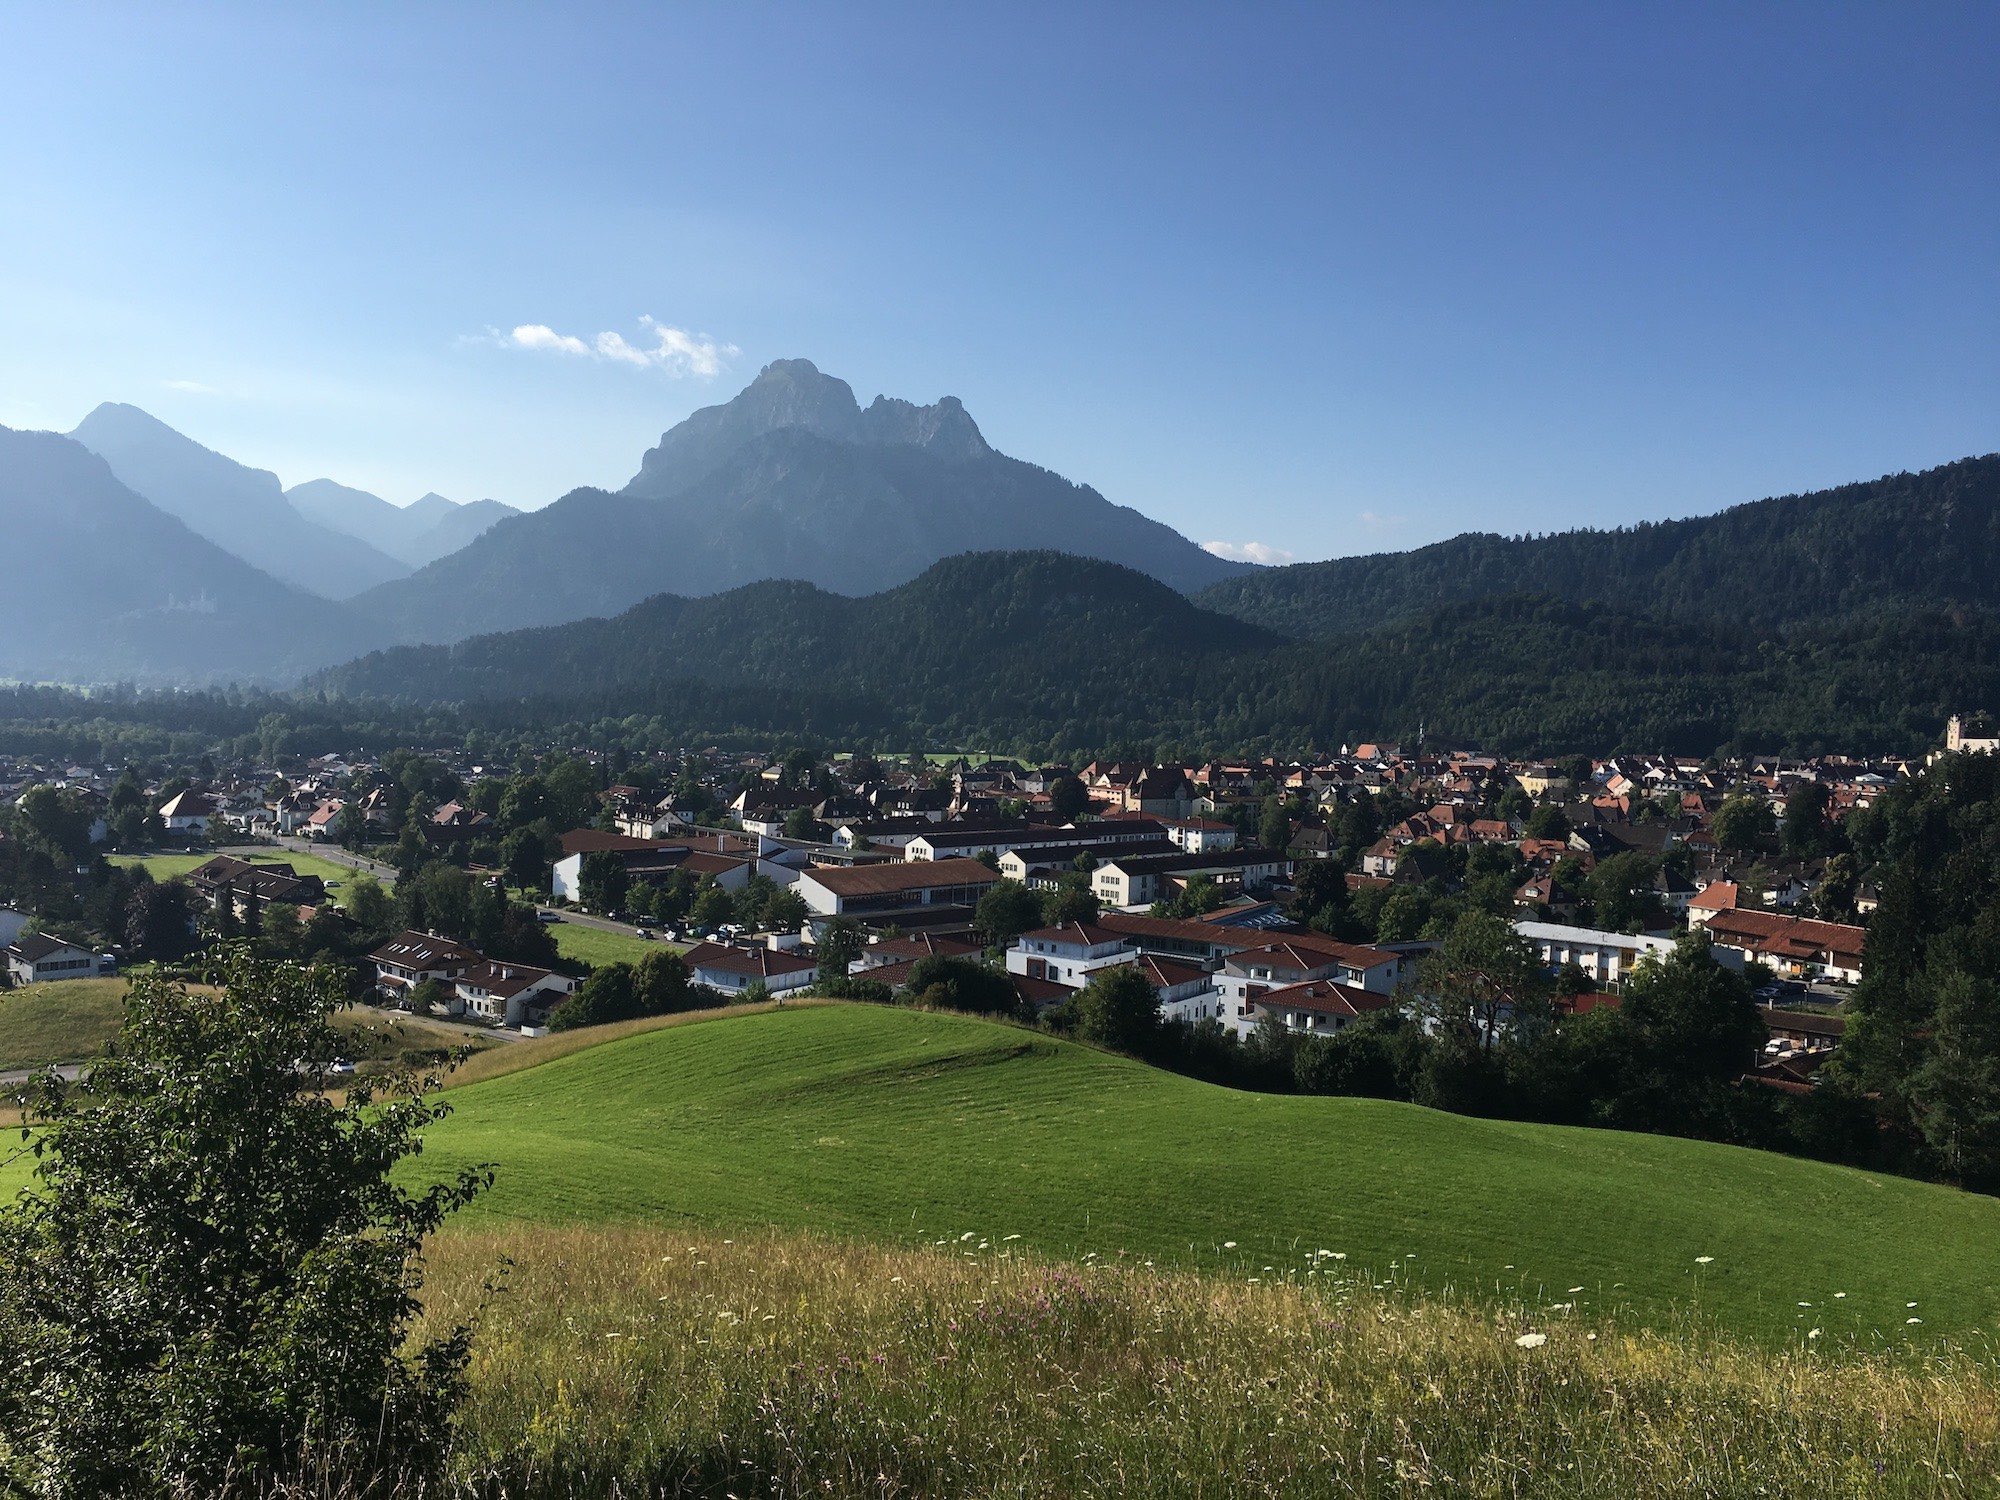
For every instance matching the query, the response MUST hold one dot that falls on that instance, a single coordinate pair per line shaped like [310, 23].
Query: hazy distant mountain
[415, 534]
[106, 586]
[791, 479]
[240, 509]
[1902, 542]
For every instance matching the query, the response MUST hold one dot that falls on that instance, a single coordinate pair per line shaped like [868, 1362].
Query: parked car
[646, 933]
[548, 916]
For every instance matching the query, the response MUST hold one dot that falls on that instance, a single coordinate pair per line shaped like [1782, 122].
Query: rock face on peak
[945, 427]
[792, 478]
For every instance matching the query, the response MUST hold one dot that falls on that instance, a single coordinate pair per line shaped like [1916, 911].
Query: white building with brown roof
[732, 970]
[1069, 954]
[42, 957]
[1291, 959]
[1319, 1007]
[509, 994]
[886, 891]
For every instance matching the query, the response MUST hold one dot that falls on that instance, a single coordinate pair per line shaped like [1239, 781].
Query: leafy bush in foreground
[212, 1284]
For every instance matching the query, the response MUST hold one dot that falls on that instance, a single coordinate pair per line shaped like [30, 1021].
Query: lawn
[910, 1128]
[168, 866]
[594, 946]
[66, 1021]
[72, 1020]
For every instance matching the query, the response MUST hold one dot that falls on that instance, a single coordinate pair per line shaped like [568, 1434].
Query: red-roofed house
[1318, 1007]
[1069, 954]
[733, 970]
[1294, 959]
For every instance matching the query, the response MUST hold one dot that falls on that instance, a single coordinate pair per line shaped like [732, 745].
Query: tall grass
[627, 1362]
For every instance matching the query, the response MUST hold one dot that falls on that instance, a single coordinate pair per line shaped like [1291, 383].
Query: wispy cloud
[190, 387]
[1251, 552]
[660, 347]
[1376, 521]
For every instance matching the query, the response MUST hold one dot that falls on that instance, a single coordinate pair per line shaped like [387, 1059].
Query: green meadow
[594, 946]
[62, 1022]
[915, 1128]
[171, 866]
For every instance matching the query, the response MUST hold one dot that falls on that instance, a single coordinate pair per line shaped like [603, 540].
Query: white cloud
[190, 387]
[673, 350]
[1376, 521]
[1251, 552]
[541, 336]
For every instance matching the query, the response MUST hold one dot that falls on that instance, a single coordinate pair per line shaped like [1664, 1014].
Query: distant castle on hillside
[1955, 738]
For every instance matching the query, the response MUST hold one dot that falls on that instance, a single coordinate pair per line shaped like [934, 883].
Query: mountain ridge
[120, 589]
[415, 534]
[791, 478]
[1048, 654]
[239, 508]
[1772, 563]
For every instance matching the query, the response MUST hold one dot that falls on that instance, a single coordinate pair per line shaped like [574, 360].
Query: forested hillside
[1041, 652]
[1864, 550]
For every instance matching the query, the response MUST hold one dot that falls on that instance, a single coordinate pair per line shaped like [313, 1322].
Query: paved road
[332, 853]
[13, 1078]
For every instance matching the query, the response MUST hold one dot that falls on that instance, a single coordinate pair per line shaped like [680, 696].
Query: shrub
[213, 1284]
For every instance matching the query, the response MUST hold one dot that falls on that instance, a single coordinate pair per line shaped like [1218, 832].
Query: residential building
[1129, 881]
[1201, 835]
[410, 958]
[647, 859]
[1282, 962]
[509, 994]
[251, 888]
[1607, 959]
[42, 957]
[189, 813]
[940, 890]
[1069, 954]
[1794, 946]
[1318, 1007]
[910, 950]
[732, 970]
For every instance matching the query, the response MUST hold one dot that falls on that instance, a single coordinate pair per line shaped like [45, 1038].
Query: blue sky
[1328, 280]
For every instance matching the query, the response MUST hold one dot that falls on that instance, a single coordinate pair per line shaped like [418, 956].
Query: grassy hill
[62, 1022]
[74, 1020]
[913, 1128]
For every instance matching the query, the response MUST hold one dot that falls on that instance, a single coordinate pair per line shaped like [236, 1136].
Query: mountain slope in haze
[107, 586]
[791, 479]
[1906, 541]
[1042, 653]
[414, 534]
[240, 509]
